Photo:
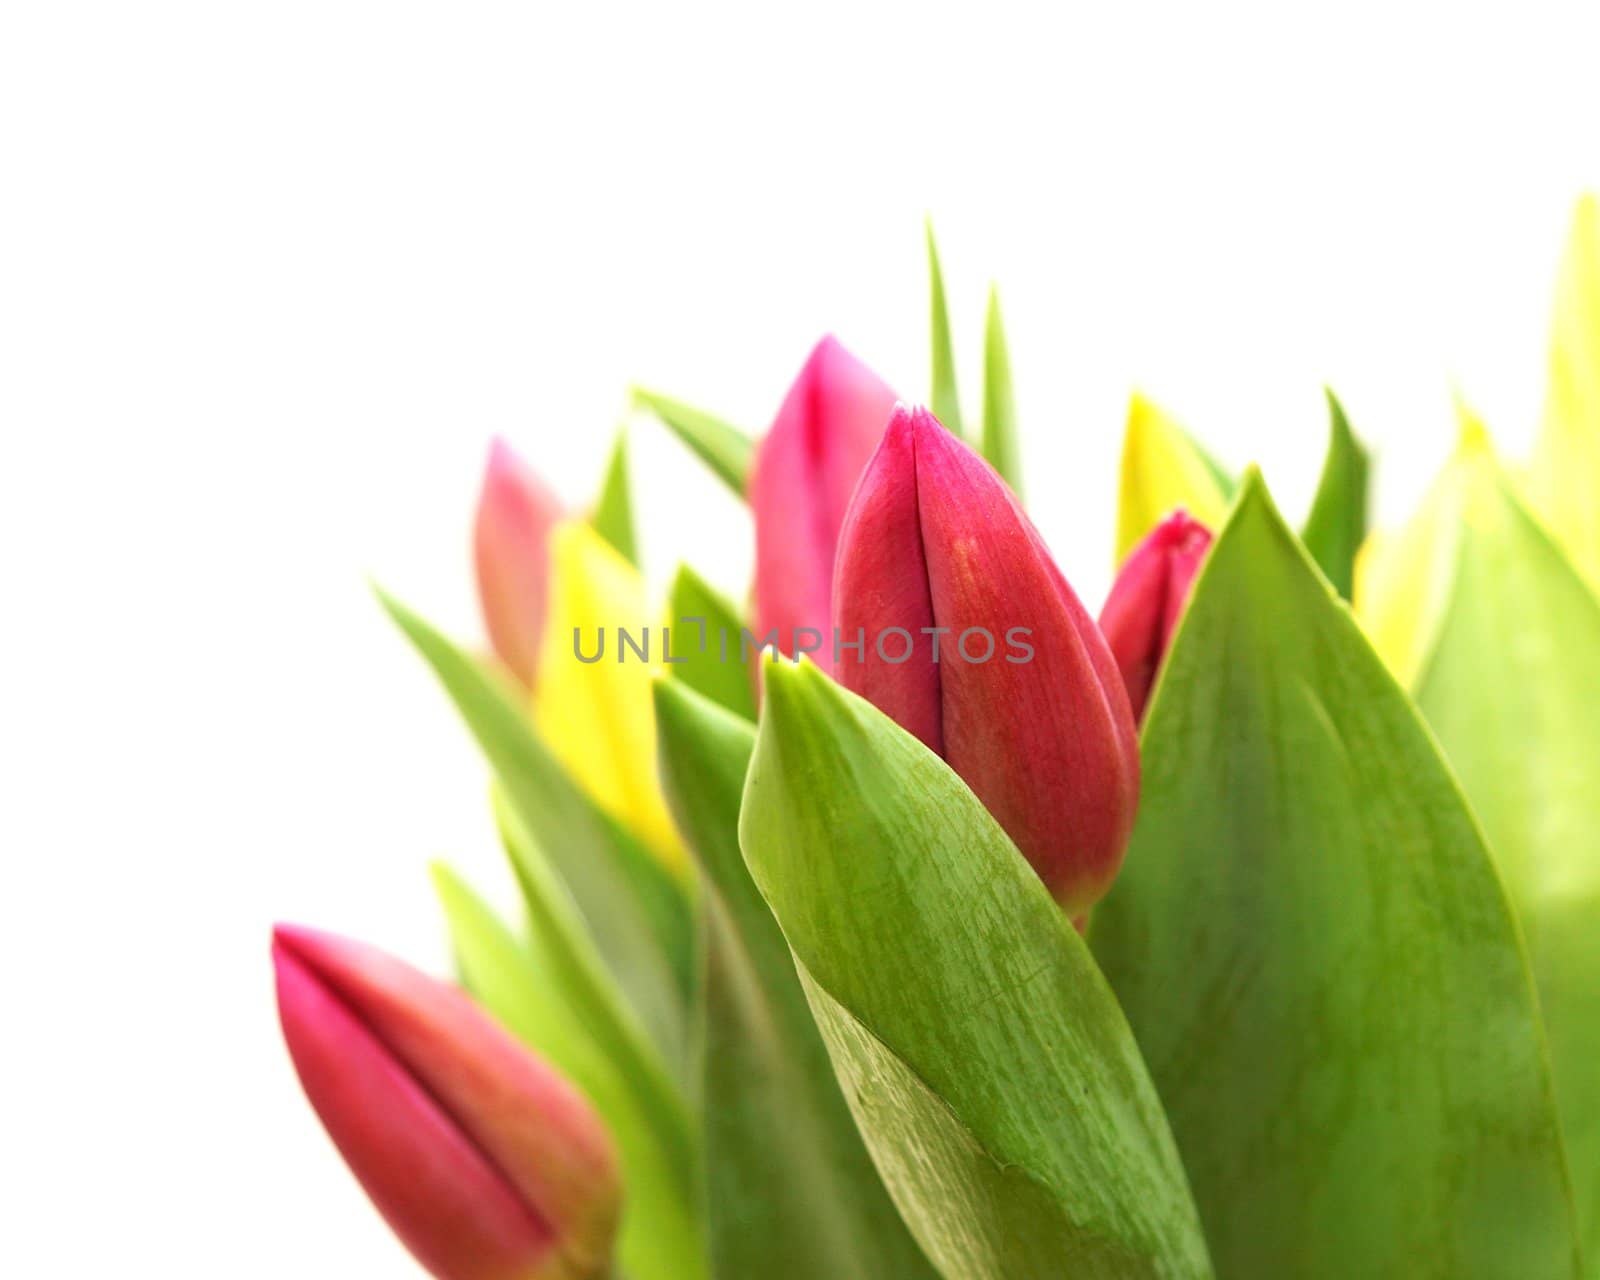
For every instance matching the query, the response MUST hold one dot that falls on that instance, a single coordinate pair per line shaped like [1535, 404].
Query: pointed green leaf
[705, 644]
[636, 910]
[1513, 691]
[564, 950]
[988, 1067]
[1317, 958]
[791, 1190]
[721, 446]
[613, 512]
[944, 399]
[545, 998]
[1000, 445]
[1337, 525]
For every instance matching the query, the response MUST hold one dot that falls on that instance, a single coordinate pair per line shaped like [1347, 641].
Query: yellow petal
[1564, 472]
[1403, 577]
[599, 718]
[1161, 470]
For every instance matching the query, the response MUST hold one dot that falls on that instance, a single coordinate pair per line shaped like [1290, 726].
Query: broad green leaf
[986, 1062]
[1337, 525]
[944, 399]
[613, 512]
[721, 446]
[543, 996]
[636, 910]
[705, 645]
[1564, 475]
[1000, 445]
[1513, 691]
[1163, 469]
[1318, 960]
[791, 1190]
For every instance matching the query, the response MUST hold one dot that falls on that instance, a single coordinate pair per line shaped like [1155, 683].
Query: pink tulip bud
[484, 1161]
[1148, 598]
[516, 511]
[804, 472]
[973, 641]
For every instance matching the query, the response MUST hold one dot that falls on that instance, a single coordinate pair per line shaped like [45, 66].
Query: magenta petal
[881, 590]
[801, 482]
[449, 1206]
[1147, 601]
[1030, 708]
[483, 1160]
[510, 543]
[1047, 744]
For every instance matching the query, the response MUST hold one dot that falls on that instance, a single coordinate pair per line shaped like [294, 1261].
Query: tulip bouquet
[914, 922]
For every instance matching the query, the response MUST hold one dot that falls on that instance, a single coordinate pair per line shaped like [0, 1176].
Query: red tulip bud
[516, 511]
[804, 472]
[484, 1161]
[1147, 599]
[973, 641]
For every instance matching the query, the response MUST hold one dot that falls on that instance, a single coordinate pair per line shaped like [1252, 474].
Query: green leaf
[988, 1067]
[636, 911]
[1317, 958]
[722, 447]
[497, 969]
[1513, 691]
[945, 401]
[1337, 525]
[791, 1190]
[705, 644]
[613, 513]
[553, 997]
[999, 404]
[565, 952]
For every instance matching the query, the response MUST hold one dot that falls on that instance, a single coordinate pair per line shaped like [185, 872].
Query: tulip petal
[1403, 578]
[485, 1162]
[1066, 798]
[1003, 672]
[456, 1213]
[882, 587]
[598, 717]
[1163, 469]
[805, 472]
[1564, 476]
[516, 512]
[1147, 601]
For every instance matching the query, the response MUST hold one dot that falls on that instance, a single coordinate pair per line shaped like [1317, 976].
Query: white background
[271, 275]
